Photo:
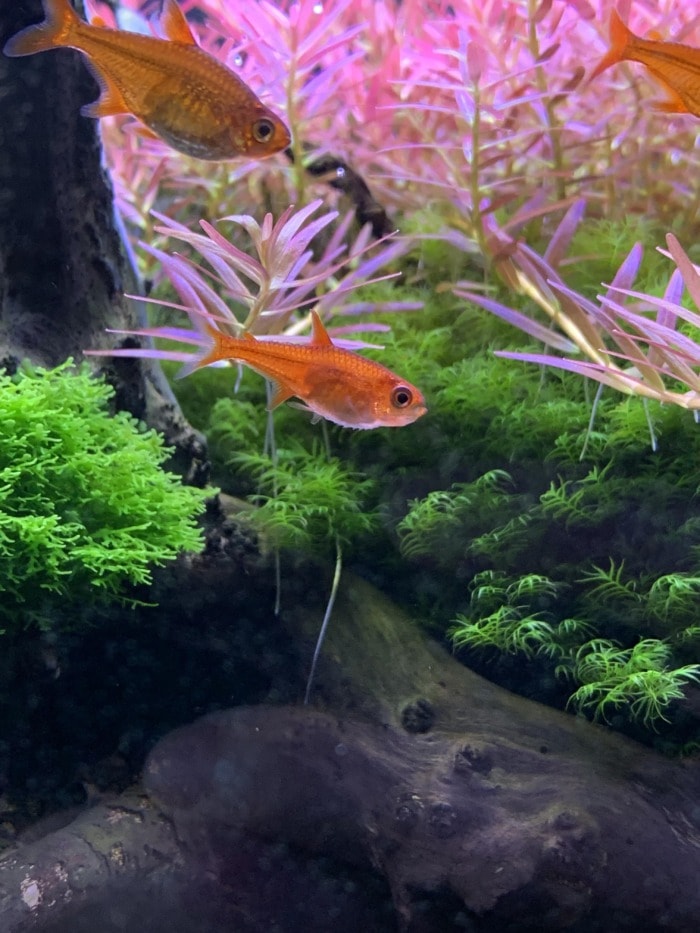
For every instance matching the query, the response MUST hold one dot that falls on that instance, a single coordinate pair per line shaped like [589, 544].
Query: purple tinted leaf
[561, 240]
[521, 321]
[627, 272]
[687, 269]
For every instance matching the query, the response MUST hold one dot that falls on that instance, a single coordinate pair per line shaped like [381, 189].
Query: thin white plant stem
[326, 618]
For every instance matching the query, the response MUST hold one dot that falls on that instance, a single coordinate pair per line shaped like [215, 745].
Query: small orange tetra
[184, 95]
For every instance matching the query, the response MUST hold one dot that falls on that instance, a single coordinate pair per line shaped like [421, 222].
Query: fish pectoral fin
[280, 394]
[109, 103]
[315, 418]
[174, 25]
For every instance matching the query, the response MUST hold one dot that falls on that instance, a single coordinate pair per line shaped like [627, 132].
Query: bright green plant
[510, 617]
[307, 500]
[85, 506]
[639, 679]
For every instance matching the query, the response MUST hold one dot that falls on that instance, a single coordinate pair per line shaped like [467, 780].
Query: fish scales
[193, 68]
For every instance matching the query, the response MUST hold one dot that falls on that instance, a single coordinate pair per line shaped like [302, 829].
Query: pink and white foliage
[447, 102]
[476, 109]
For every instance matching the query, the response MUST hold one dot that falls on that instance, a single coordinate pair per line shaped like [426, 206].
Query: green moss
[85, 507]
[603, 245]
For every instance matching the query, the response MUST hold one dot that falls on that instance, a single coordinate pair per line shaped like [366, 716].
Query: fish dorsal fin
[174, 25]
[320, 336]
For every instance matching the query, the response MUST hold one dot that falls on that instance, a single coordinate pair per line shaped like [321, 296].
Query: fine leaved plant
[86, 508]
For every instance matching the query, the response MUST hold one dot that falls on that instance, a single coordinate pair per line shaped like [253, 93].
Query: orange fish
[185, 96]
[333, 383]
[676, 67]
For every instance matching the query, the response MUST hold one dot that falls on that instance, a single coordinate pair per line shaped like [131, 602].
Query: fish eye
[263, 130]
[401, 397]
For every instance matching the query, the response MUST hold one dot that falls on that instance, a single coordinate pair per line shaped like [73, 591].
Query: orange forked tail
[54, 32]
[216, 350]
[620, 38]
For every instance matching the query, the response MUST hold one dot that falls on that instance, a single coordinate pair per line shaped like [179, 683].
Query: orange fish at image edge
[333, 383]
[184, 95]
[676, 67]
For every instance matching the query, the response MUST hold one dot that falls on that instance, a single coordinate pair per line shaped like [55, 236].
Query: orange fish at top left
[181, 93]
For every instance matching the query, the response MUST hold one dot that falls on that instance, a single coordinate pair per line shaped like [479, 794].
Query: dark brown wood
[459, 794]
[63, 265]
[447, 784]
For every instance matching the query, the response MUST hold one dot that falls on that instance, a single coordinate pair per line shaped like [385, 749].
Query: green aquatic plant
[431, 523]
[508, 615]
[307, 500]
[85, 506]
[638, 679]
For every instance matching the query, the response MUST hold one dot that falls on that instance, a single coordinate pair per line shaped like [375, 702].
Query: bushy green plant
[85, 506]
[307, 500]
[639, 679]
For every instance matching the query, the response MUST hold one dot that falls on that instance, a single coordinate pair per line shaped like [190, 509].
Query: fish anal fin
[280, 394]
[140, 129]
[320, 337]
[672, 104]
[110, 102]
[174, 24]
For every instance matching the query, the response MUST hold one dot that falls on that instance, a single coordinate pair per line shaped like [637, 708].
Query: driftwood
[490, 808]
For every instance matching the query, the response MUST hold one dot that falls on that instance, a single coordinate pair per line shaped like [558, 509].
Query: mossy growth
[85, 506]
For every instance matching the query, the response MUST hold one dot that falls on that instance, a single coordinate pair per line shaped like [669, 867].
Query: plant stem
[326, 617]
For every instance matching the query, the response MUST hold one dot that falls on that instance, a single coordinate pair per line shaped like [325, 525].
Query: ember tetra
[185, 96]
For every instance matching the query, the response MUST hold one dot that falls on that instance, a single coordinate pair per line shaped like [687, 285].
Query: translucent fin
[320, 336]
[55, 31]
[174, 24]
[674, 103]
[620, 37]
[280, 394]
[110, 101]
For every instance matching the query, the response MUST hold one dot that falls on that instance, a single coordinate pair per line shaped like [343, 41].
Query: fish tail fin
[212, 352]
[54, 32]
[620, 38]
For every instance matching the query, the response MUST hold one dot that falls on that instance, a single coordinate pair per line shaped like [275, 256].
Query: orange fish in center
[675, 66]
[333, 383]
[184, 95]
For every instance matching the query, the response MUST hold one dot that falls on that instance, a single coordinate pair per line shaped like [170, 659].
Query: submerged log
[449, 785]
[477, 807]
